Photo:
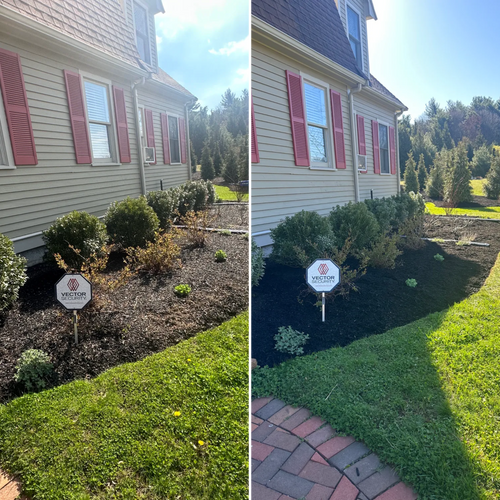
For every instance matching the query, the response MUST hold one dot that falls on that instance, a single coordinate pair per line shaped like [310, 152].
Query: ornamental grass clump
[34, 371]
[12, 273]
[290, 341]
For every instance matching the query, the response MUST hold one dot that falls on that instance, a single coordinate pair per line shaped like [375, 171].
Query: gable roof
[166, 79]
[376, 85]
[315, 23]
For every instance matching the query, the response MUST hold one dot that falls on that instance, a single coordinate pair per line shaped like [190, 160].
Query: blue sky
[447, 49]
[205, 45]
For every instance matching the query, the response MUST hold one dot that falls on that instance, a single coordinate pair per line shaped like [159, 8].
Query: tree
[404, 135]
[432, 108]
[207, 166]
[194, 158]
[491, 187]
[421, 172]
[481, 162]
[231, 169]
[457, 187]
[243, 161]
[411, 178]
[421, 143]
[435, 182]
[218, 164]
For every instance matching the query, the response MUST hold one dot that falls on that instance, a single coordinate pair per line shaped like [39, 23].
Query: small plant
[411, 282]
[438, 257]
[12, 273]
[246, 236]
[437, 240]
[258, 264]
[225, 232]
[182, 290]
[220, 256]
[463, 243]
[34, 370]
[290, 341]
[383, 252]
[196, 224]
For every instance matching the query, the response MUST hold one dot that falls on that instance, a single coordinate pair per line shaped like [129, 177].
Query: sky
[446, 49]
[205, 46]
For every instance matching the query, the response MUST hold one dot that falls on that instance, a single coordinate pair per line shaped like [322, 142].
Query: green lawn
[225, 194]
[477, 187]
[425, 397]
[484, 212]
[172, 426]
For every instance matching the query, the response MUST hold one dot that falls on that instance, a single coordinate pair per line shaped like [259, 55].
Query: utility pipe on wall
[186, 114]
[350, 93]
[398, 170]
[140, 151]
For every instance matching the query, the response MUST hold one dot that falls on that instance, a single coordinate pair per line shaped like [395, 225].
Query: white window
[99, 113]
[383, 134]
[318, 129]
[354, 32]
[141, 127]
[6, 158]
[173, 137]
[142, 32]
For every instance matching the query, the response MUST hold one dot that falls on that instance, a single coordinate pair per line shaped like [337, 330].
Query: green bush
[383, 252]
[34, 370]
[12, 273]
[421, 172]
[300, 239]
[385, 211]
[438, 257]
[220, 256]
[258, 264]
[411, 282]
[182, 290]
[290, 341]
[131, 222]
[356, 222]
[457, 187]
[408, 205]
[165, 204]
[491, 187]
[195, 196]
[411, 177]
[84, 232]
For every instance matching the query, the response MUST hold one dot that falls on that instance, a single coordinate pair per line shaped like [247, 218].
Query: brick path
[297, 455]
[9, 487]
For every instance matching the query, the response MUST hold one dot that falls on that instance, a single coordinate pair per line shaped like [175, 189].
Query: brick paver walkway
[9, 487]
[297, 455]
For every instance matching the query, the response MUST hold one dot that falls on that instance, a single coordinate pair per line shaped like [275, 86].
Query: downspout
[397, 114]
[186, 114]
[350, 93]
[140, 150]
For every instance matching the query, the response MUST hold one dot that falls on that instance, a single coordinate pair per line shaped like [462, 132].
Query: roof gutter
[186, 114]
[350, 94]
[140, 150]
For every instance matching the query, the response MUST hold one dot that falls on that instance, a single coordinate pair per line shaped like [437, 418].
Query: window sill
[7, 167]
[105, 164]
[177, 163]
[328, 169]
[386, 175]
[362, 171]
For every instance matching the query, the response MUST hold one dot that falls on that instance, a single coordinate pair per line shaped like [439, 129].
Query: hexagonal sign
[323, 275]
[73, 291]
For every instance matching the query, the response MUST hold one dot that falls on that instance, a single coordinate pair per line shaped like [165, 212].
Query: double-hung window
[316, 105]
[100, 122]
[354, 32]
[142, 32]
[383, 133]
[6, 160]
[174, 141]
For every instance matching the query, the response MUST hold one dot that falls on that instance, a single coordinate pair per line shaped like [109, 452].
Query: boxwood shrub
[165, 205]
[12, 273]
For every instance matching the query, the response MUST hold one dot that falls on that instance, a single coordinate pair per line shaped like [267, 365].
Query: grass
[425, 397]
[225, 194]
[174, 425]
[477, 187]
[483, 212]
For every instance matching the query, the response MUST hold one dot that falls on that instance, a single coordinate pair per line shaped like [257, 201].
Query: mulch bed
[384, 301]
[141, 318]
[477, 202]
[229, 216]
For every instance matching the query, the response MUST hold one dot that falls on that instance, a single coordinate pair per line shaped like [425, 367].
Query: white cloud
[231, 47]
[243, 77]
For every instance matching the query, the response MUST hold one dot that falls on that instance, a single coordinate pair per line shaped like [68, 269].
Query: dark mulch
[143, 317]
[477, 202]
[384, 301]
[230, 216]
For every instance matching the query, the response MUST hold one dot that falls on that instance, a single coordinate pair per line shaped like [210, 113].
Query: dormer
[354, 14]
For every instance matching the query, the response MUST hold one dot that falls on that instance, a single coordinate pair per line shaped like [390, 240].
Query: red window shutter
[150, 130]
[338, 129]
[77, 116]
[164, 138]
[361, 135]
[255, 146]
[121, 124]
[182, 133]
[392, 147]
[376, 148]
[297, 119]
[17, 109]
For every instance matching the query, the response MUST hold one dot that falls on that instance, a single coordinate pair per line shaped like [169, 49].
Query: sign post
[74, 292]
[323, 275]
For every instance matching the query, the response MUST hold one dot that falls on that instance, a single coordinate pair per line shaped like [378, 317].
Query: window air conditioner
[149, 155]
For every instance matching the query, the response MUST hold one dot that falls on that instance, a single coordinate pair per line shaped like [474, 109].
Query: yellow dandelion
[177, 413]
[189, 359]
[201, 443]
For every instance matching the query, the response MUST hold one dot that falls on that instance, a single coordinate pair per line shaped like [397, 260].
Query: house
[324, 130]
[82, 95]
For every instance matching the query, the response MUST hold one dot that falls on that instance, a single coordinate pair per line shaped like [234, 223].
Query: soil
[477, 202]
[230, 216]
[140, 318]
[383, 301]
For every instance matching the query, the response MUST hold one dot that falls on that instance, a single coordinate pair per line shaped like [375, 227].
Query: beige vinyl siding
[279, 187]
[382, 184]
[172, 175]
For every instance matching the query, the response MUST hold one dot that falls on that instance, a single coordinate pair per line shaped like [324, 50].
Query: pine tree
[231, 168]
[218, 164]
[421, 172]
[491, 187]
[481, 162]
[457, 187]
[243, 161]
[435, 182]
[194, 159]
[411, 178]
[207, 166]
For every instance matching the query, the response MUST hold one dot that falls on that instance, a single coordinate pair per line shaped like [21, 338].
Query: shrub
[12, 273]
[258, 264]
[131, 222]
[195, 196]
[457, 187]
[300, 239]
[383, 252]
[165, 205]
[34, 370]
[159, 256]
[196, 228]
[231, 171]
[80, 230]
[435, 183]
[218, 164]
[207, 164]
[384, 210]
[438, 257]
[421, 172]
[410, 177]
[220, 256]
[481, 162]
[290, 341]
[491, 187]
[411, 282]
[182, 290]
[356, 222]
